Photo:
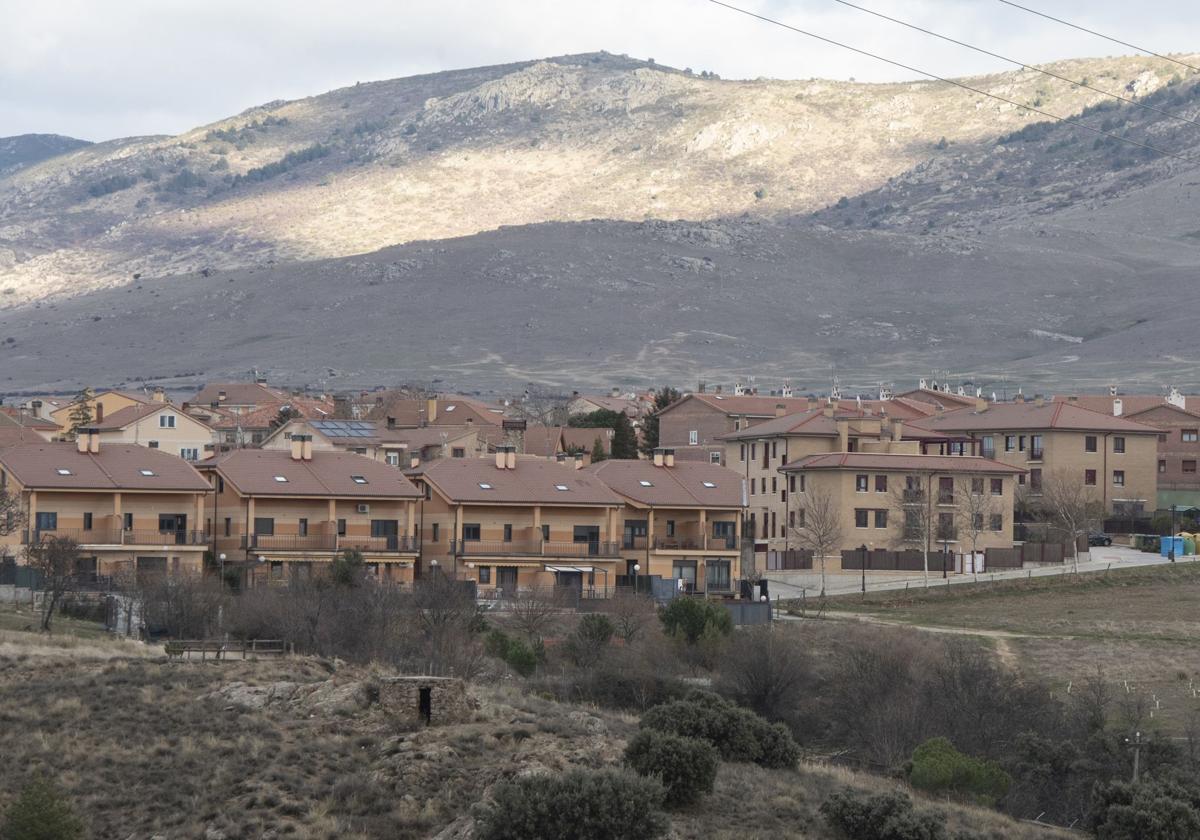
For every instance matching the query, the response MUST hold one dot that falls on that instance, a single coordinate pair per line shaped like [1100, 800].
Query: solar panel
[345, 428]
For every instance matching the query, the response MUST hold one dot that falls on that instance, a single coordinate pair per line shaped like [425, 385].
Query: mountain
[506, 224]
[28, 149]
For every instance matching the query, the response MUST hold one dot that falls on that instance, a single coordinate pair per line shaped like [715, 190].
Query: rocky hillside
[450, 154]
[28, 149]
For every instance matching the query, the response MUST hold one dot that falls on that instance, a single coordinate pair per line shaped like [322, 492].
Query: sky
[100, 70]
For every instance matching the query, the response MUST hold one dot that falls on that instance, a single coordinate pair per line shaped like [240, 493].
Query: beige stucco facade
[169, 430]
[102, 405]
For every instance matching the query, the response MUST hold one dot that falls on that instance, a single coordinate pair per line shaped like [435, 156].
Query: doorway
[425, 704]
[589, 534]
[506, 580]
[174, 523]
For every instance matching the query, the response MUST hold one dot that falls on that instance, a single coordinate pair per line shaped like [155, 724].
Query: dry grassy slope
[144, 750]
[577, 137]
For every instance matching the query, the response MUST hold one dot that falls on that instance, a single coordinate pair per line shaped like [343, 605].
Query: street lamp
[221, 557]
[637, 567]
[1171, 537]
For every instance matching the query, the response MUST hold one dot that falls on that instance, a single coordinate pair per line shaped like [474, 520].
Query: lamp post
[221, 559]
[1171, 537]
[945, 552]
[637, 567]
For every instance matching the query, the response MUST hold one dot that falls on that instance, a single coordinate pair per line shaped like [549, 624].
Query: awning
[569, 568]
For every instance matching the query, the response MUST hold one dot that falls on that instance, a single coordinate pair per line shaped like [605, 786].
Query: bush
[289, 161]
[1152, 810]
[883, 816]
[516, 654]
[41, 812]
[686, 767]
[111, 184]
[938, 767]
[587, 643]
[583, 804]
[737, 733]
[690, 618]
[347, 568]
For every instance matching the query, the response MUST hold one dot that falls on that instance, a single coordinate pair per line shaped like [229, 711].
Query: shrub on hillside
[938, 767]
[737, 733]
[516, 654]
[587, 642]
[882, 816]
[691, 618]
[583, 804]
[1153, 810]
[41, 812]
[686, 767]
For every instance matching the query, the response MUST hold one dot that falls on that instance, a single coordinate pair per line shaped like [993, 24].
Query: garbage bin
[1164, 549]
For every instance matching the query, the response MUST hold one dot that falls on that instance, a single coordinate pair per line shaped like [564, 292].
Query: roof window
[645, 483]
[451, 407]
[561, 487]
[64, 471]
[483, 485]
[708, 484]
[282, 479]
[358, 479]
[146, 472]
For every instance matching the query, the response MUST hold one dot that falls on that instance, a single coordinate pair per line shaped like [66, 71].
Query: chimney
[214, 405]
[941, 411]
[306, 448]
[501, 458]
[1073, 398]
[578, 460]
[510, 458]
[828, 410]
[981, 405]
[222, 396]
[668, 457]
[1118, 408]
[81, 440]
[431, 410]
[812, 403]
[297, 447]
[1019, 398]
[391, 422]
[843, 430]
[1039, 400]
[897, 430]
[160, 396]
[659, 457]
[780, 409]
[616, 392]
[414, 460]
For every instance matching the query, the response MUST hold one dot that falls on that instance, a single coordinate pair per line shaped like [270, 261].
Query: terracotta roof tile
[1011, 416]
[252, 472]
[534, 481]
[683, 485]
[114, 467]
[887, 461]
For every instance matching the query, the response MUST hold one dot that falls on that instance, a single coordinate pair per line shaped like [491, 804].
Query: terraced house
[131, 509]
[279, 514]
[514, 523]
[681, 522]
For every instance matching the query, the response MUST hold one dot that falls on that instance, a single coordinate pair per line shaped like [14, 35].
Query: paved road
[784, 585]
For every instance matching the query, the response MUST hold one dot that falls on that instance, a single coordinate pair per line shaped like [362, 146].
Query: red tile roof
[131, 414]
[683, 485]
[114, 467]
[237, 393]
[252, 472]
[534, 481]
[1013, 416]
[887, 461]
[1130, 403]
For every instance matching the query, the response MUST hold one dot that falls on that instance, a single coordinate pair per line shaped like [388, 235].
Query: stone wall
[449, 701]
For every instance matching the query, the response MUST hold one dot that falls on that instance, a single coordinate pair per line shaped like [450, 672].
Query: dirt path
[928, 628]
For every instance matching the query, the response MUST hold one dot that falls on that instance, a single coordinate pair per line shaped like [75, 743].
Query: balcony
[534, 548]
[92, 537]
[327, 543]
[913, 497]
[1036, 454]
[727, 543]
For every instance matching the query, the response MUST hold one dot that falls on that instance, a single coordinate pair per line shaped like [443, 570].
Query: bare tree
[541, 406]
[535, 610]
[918, 517]
[1071, 506]
[974, 508]
[817, 526]
[632, 614]
[57, 559]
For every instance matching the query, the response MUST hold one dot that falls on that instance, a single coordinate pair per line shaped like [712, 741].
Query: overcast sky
[99, 70]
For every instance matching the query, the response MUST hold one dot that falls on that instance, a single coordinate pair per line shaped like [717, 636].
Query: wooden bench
[224, 649]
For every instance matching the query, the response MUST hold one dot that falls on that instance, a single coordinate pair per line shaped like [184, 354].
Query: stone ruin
[427, 701]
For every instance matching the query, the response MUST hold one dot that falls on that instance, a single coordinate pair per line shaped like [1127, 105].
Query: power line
[963, 85]
[1100, 35]
[1020, 63]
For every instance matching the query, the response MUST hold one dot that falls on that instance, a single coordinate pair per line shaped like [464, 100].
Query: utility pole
[1136, 743]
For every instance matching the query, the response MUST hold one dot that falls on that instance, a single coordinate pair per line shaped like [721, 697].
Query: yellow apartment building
[159, 425]
[131, 509]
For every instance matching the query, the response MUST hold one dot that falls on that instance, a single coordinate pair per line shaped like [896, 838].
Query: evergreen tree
[81, 412]
[598, 453]
[663, 397]
[624, 442]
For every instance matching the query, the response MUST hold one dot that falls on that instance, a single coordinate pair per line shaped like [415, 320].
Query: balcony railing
[536, 548]
[914, 497]
[326, 542]
[107, 536]
[728, 543]
[1036, 454]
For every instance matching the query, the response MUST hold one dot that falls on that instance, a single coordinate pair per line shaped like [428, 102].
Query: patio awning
[550, 568]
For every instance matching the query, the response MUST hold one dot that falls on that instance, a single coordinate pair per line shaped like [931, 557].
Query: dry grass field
[1135, 628]
[143, 750]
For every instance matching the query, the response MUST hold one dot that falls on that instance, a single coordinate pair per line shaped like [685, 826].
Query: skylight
[708, 484]
[561, 487]
[451, 407]
[358, 479]
[146, 472]
[282, 479]
[645, 483]
[64, 471]
[483, 485]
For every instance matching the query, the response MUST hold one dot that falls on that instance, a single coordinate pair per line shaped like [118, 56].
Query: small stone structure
[432, 701]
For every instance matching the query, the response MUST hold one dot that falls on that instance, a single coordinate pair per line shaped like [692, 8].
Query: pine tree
[663, 397]
[598, 453]
[624, 441]
[81, 412]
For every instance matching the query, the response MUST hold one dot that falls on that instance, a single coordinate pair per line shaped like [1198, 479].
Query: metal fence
[793, 559]
[882, 560]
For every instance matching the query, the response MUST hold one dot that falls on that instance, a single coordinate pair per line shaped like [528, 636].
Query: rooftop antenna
[836, 393]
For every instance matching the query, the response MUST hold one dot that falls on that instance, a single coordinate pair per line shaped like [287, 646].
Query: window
[393, 459]
[861, 483]
[958, 448]
[802, 482]
[341, 525]
[562, 488]
[1162, 465]
[1089, 478]
[483, 485]
[47, 521]
[881, 518]
[282, 479]
[997, 522]
[146, 472]
[762, 484]
[1118, 478]
[800, 518]
[714, 457]
[1089, 443]
[987, 446]
[1035, 448]
[302, 527]
[264, 526]
[228, 526]
[189, 453]
[860, 517]
[881, 484]
[485, 574]
[434, 533]
[1035, 480]
[358, 479]
[1189, 466]
[976, 486]
[128, 522]
[645, 483]
[997, 486]
[1021, 479]
[471, 531]
[670, 527]
[742, 453]
[1010, 443]
[710, 485]
[774, 486]
[945, 490]
[153, 444]
[458, 452]
[753, 451]
[63, 471]
[945, 527]
[977, 521]
[508, 532]
[1021, 443]
[220, 484]
[87, 522]
[752, 487]
[1119, 445]
[166, 421]
[1190, 435]
[693, 437]
[545, 533]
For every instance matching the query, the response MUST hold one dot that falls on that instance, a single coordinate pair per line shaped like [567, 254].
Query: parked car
[1099, 538]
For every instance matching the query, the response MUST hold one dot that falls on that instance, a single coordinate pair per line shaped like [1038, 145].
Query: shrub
[516, 654]
[1152, 810]
[292, 159]
[41, 812]
[938, 767]
[589, 639]
[689, 618]
[737, 733]
[347, 568]
[883, 816]
[583, 804]
[111, 184]
[686, 767]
